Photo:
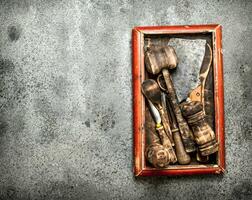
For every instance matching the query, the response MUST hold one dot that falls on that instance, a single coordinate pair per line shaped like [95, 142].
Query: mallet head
[160, 57]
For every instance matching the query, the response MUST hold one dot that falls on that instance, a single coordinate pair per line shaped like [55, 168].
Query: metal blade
[205, 66]
[154, 112]
[190, 53]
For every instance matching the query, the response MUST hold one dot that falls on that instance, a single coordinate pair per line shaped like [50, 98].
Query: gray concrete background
[66, 99]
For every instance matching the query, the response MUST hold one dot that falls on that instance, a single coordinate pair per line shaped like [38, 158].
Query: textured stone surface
[66, 99]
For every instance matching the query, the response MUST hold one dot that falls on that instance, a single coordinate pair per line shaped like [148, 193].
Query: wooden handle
[204, 135]
[182, 156]
[166, 124]
[185, 131]
[167, 144]
[163, 137]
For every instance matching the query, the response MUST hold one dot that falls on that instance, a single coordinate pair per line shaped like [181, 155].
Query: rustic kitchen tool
[204, 135]
[202, 94]
[167, 86]
[152, 92]
[182, 156]
[197, 94]
[204, 90]
[162, 134]
[155, 152]
[191, 53]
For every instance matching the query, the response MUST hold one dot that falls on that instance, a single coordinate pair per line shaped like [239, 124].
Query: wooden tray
[214, 33]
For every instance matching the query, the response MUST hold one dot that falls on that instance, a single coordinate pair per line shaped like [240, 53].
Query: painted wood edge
[136, 101]
[219, 98]
[181, 172]
[176, 29]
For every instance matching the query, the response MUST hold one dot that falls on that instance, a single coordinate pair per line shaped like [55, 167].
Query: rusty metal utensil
[152, 92]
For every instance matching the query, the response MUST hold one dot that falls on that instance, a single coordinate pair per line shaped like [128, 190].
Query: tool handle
[184, 129]
[166, 143]
[166, 124]
[182, 156]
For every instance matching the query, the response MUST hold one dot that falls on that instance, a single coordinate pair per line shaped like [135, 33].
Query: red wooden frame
[139, 104]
